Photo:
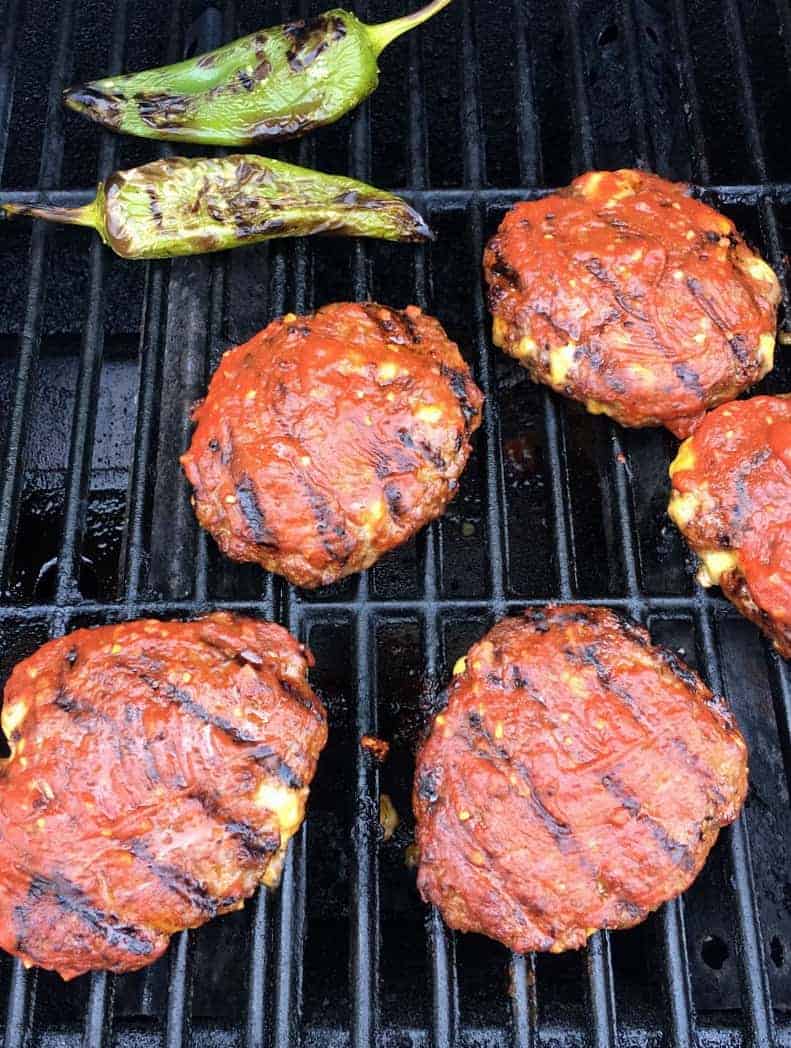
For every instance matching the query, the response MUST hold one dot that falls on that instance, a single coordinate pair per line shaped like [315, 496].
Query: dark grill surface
[100, 361]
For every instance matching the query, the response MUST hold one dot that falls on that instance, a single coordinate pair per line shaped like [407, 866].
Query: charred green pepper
[186, 206]
[275, 84]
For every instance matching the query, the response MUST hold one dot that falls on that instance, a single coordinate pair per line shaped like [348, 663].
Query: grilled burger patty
[576, 780]
[158, 770]
[329, 439]
[624, 292]
[732, 502]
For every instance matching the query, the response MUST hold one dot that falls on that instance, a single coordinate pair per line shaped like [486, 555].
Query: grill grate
[344, 953]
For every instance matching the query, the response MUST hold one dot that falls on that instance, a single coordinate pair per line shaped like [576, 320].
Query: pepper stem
[87, 215]
[385, 33]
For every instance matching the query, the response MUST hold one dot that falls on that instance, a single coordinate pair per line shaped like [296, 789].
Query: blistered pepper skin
[187, 206]
[272, 85]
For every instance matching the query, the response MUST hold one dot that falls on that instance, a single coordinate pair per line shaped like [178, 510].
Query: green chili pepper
[275, 84]
[186, 206]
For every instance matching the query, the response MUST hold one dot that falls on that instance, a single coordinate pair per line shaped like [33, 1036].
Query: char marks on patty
[342, 433]
[158, 771]
[575, 780]
[629, 294]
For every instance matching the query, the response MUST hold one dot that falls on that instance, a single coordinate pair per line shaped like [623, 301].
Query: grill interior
[100, 361]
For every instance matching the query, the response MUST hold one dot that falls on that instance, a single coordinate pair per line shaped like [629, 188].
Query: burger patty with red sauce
[626, 293]
[331, 438]
[157, 772]
[732, 502]
[576, 780]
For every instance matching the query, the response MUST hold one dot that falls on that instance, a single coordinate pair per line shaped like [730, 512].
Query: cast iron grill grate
[100, 361]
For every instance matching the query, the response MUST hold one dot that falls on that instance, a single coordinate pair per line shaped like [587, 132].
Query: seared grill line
[261, 753]
[72, 900]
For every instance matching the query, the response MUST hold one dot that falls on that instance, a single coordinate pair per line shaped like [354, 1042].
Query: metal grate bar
[766, 211]
[177, 1018]
[365, 872]
[445, 1021]
[155, 333]
[524, 996]
[257, 971]
[733, 25]
[364, 931]
[20, 1003]
[97, 1013]
[760, 1030]
[446, 198]
[256, 1019]
[290, 933]
[667, 607]
[49, 172]
[530, 166]
[784, 15]
[152, 328]
[212, 30]
[755, 985]
[213, 324]
[692, 108]
[291, 913]
[639, 109]
[782, 692]
[87, 394]
[440, 940]
[10, 19]
[495, 496]
[22, 989]
[781, 695]
[151, 332]
[600, 981]
[97, 1018]
[282, 910]
[418, 137]
[677, 986]
[470, 94]
[528, 129]
[524, 1001]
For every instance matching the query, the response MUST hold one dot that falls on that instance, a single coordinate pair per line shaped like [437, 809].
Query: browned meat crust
[329, 439]
[732, 502]
[624, 292]
[576, 780]
[158, 770]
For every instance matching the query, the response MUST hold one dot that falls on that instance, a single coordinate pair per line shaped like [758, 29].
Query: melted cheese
[766, 351]
[430, 413]
[759, 270]
[590, 183]
[685, 459]
[526, 347]
[714, 564]
[682, 508]
[288, 806]
[597, 407]
[561, 361]
[499, 331]
[12, 717]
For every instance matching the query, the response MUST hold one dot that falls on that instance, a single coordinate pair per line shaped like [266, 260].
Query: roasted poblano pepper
[186, 206]
[274, 84]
